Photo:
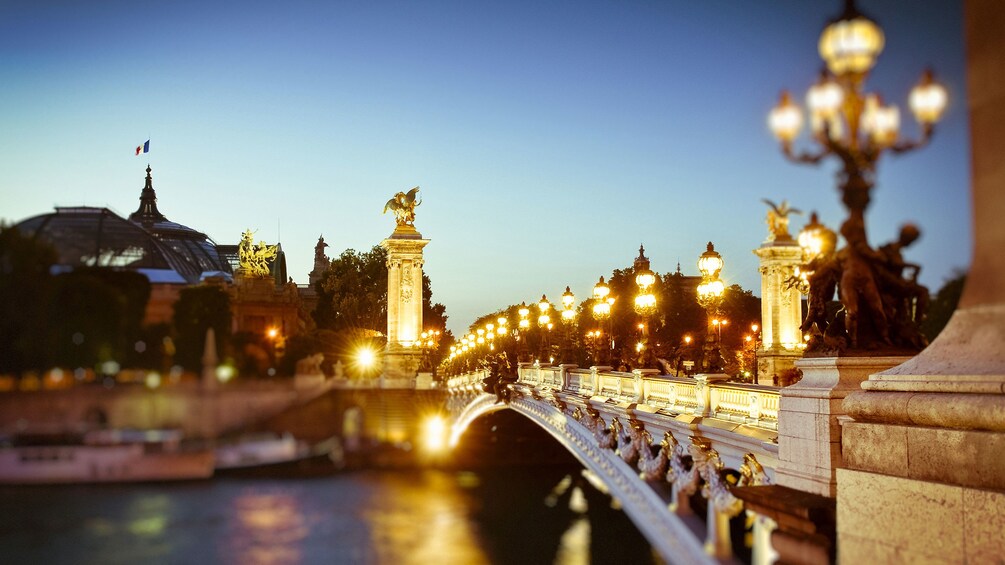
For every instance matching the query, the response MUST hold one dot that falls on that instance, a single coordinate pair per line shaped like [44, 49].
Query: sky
[549, 138]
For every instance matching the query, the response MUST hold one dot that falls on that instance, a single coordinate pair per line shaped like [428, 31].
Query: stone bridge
[669, 449]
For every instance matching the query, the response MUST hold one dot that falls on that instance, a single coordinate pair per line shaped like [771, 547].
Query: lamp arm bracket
[804, 156]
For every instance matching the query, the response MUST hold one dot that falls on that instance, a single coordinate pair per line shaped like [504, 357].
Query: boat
[270, 451]
[102, 456]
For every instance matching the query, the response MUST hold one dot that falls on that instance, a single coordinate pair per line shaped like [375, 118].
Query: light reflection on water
[401, 517]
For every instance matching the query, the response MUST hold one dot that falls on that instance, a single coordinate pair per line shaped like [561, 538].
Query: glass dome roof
[163, 250]
[196, 247]
[98, 237]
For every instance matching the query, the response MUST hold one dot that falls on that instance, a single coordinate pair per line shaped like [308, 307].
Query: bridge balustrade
[689, 432]
[705, 395]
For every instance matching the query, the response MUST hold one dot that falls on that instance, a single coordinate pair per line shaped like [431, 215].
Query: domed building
[97, 237]
[194, 246]
[171, 256]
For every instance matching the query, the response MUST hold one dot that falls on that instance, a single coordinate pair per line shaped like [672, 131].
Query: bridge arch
[642, 504]
[640, 432]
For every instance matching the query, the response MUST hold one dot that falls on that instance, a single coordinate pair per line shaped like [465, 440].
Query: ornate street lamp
[645, 304]
[523, 328]
[544, 322]
[602, 304]
[710, 293]
[857, 128]
[568, 317]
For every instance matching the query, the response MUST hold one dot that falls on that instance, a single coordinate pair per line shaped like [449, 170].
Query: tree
[25, 292]
[97, 315]
[199, 308]
[943, 305]
[352, 293]
[352, 299]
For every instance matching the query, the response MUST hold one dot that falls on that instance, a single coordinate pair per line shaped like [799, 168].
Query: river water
[513, 515]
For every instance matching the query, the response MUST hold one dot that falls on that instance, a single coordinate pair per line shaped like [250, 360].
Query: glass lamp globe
[568, 298]
[785, 120]
[928, 99]
[601, 290]
[851, 43]
[710, 262]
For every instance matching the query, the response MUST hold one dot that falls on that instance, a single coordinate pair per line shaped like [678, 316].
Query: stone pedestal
[809, 433]
[404, 304]
[781, 309]
[791, 526]
[925, 450]
[771, 363]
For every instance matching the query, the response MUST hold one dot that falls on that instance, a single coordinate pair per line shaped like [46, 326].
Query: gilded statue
[778, 220]
[255, 258]
[403, 205]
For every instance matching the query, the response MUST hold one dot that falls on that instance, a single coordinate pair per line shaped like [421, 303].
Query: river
[511, 515]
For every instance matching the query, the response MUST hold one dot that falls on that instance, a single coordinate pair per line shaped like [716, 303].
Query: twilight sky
[549, 138]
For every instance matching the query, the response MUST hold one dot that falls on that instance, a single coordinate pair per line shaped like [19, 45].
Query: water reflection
[533, 515]
[422, 519]
[267, 527]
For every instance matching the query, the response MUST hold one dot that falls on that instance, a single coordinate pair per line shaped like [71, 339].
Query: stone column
[781, 309]
[925, 448]
[404, 304]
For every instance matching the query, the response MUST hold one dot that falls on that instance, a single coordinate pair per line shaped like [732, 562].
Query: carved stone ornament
[654, 459]
[752, 473]
[683, 471]
[403, 206]
[778, 220]
[628, 438]
[254, 259]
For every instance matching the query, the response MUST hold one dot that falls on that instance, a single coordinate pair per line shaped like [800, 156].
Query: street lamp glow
[785, 120]
[544, 305]
[851, 43]
[568, 298]
[928, 99]
[365, 357]
[601, 290]
[435, 434]
[710, 262]
[824, 98]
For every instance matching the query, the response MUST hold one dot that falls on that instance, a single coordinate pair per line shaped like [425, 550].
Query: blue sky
[549, 138]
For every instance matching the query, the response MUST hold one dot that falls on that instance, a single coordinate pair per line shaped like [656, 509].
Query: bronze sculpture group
[882, 302]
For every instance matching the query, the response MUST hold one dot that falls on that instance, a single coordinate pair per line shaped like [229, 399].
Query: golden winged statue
[778, 220]
[255, 259]
[403, 205]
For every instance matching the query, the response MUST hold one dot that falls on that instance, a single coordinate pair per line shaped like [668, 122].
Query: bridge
[669, 449]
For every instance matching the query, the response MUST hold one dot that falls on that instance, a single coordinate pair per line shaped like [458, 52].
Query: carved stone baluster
[653, 467]
[629, 439]
[683, 475]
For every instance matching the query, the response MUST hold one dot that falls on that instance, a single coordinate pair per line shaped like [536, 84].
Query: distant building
[172, 256]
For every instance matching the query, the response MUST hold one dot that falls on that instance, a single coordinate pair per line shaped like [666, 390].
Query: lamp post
[710, 293]
[523, 328]
[602, 304]
[688, 363]
[645, 305]
[568, 317]
[858, 128]
[544, 322]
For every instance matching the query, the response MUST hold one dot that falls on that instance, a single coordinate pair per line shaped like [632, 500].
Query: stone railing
[685, 433]
[704, 395]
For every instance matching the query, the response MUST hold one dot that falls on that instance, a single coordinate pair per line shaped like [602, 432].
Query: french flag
[145, 148]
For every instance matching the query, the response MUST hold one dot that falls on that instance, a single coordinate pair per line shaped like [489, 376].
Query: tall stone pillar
[781, 308]
[404, 304]
[925, 449]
